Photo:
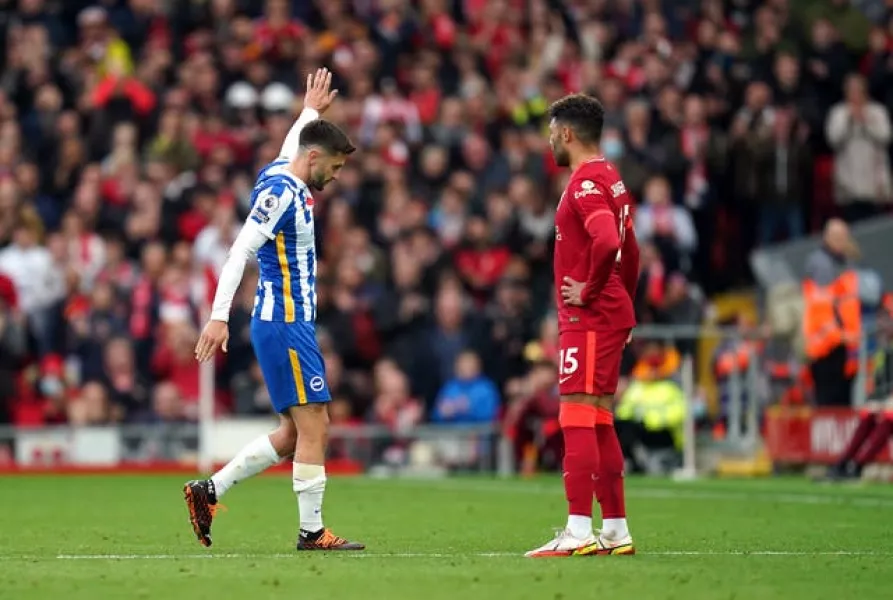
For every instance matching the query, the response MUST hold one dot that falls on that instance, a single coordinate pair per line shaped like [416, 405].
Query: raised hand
[318, 95]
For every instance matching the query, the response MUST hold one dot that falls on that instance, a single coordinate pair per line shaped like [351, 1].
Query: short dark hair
[584, 114]
[327, 136]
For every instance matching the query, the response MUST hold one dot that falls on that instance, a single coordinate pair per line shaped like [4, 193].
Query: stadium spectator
[92, 322]
[39, 283]
[389, 106]
[128, 388]
[168, 405]
[782, 163]
[91, 406]
[479, 262]
[652, 284]
[878, 67]
[668, 226]
[535, 230]
[395, 408]
[859, 132]
[456, 327]
[511, 321]
[393, 405]
[174, 362]
[642, 156]
[469, 397]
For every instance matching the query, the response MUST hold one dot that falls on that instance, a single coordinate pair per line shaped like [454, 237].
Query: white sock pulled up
[309, 484]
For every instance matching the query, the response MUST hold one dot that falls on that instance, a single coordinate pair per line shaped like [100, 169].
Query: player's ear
[566, 135]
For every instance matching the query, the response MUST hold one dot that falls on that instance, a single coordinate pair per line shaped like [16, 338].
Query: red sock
[875, 443]
[609, 480]
[866, 425]
[580, 456]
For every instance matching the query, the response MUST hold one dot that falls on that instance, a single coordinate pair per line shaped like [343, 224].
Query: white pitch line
[741, 553]
[282, 555]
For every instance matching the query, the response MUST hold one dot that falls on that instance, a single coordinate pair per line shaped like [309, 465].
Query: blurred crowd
[131, 132]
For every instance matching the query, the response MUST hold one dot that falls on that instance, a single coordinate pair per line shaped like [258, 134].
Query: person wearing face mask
[612, 147]
[52, 384]
[635, 173]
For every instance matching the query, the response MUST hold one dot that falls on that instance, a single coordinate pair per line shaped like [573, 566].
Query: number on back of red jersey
[624, 215]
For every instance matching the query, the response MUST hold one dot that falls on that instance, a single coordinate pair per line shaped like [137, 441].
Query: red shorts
[589, 362]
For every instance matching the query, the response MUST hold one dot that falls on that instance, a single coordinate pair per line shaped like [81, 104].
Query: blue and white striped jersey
[282, 207]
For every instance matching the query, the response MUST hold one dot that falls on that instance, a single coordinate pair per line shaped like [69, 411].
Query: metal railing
[427, 448]
[874, 376]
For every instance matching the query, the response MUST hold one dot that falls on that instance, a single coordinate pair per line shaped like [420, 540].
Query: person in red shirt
[596, 270]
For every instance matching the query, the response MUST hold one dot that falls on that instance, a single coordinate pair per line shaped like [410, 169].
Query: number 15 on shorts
[568, 363]
[571, 366]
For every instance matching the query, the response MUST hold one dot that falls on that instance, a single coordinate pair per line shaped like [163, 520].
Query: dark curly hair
[583, 114]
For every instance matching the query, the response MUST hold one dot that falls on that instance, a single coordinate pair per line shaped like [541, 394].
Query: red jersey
[595, 244]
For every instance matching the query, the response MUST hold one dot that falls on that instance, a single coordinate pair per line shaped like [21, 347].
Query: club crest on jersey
[317, 384]
[587, 188]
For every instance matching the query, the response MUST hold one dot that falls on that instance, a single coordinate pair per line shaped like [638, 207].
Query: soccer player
[596, 268]
[280, 232]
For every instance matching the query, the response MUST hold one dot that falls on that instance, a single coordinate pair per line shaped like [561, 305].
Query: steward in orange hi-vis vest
[832, 322]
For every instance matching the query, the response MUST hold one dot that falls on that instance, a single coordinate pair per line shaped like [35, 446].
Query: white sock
[257, 456]
[615, 528]
[309, 483]
[580, 526]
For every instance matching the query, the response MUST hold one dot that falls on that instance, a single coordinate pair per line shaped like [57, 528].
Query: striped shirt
[282, 208]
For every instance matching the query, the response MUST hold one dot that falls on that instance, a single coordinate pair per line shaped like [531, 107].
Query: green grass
[127, 537]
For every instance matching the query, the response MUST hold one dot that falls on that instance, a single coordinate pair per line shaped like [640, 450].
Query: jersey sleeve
[245, 246]
[293, 138]
[270, 206]
[590, 201]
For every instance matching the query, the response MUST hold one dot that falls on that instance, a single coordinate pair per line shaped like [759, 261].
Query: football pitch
[127, 537]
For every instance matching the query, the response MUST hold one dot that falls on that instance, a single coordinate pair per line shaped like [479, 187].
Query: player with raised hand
[596, 271]
[280, 233]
